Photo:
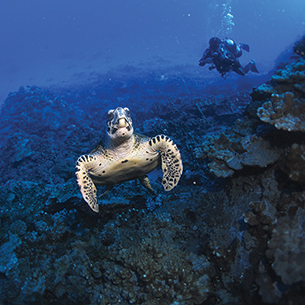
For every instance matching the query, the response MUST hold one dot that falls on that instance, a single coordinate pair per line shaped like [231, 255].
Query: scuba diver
[224, 54]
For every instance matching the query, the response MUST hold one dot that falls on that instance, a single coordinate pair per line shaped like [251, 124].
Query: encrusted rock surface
[233, 239]
[231, 151]
[294, 163]
[299, 46]
[284, 112]
[287, 248]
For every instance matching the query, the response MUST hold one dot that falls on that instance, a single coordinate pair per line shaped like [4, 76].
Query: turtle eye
[127, 111]
[110, 114]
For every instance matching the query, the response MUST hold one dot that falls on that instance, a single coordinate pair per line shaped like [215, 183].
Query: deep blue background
[62, 41]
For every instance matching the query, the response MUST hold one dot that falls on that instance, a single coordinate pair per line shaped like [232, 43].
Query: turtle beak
[121, 123]
[119, 118]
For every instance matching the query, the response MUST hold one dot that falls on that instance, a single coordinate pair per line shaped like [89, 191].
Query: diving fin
[253, 67]
[245, 47]
[250, 67]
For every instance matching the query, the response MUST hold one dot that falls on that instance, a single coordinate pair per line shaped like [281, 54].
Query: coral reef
[299, 46]
[236, 237]
[289, 79]
[287, 248]
[232, 151]
[284, 112]
[28, 142]
[55, 251]
[294, 163]
[153, 265]
[268, 289]
[264, 211]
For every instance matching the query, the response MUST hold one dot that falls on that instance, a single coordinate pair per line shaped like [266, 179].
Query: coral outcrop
[294, 163]
[284, 112]
[232, 151]
[287, 248]
[299, 46]
[291, 78]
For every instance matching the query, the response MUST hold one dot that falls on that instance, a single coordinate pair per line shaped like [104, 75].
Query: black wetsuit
[223, 55]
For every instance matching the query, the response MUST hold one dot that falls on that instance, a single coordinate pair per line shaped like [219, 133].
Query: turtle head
[119, 124]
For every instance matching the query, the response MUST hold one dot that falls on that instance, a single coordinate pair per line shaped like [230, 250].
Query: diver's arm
[202, 62]
[206, 57]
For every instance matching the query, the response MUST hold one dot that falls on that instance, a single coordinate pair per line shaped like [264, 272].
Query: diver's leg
[239, 71]
[247, 67]
[237, 68]
[251, 67]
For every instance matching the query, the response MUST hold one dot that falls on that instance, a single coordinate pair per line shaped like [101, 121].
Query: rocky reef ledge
[231, 232]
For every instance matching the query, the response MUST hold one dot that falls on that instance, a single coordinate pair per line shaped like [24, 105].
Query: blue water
[63, 42]
[230, 232]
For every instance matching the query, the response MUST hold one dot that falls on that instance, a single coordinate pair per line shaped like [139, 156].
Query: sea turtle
[126, 156]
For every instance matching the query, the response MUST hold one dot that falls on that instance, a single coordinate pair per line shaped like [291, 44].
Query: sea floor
[208, 241]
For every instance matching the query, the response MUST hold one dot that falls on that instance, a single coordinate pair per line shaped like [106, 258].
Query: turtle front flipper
[83, 165]
[171, 160]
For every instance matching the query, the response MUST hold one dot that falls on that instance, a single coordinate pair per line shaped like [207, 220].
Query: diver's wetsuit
[223, 54]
